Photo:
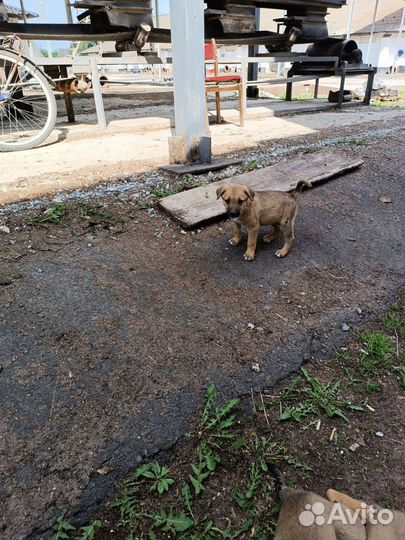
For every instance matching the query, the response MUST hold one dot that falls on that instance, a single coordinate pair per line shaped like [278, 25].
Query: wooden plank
[201, 168]
[193, 207]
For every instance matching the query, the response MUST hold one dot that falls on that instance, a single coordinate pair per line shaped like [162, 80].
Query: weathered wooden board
[201, 168]
[193, 207]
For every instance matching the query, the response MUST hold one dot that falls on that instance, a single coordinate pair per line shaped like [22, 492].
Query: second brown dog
[255, 209]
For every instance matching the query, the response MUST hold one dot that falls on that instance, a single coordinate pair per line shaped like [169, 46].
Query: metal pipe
[349, 26]
[372, 31]
[401, 28]
[68, 12]
[24, 13]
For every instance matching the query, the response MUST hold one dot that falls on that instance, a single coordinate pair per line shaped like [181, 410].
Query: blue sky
[55, 9]
[55, 12]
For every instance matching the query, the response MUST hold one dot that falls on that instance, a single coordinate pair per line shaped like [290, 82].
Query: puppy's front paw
[234, 242]
[249, 256]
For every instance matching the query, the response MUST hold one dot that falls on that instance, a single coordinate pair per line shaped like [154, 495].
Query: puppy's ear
[250, 192]
[220, 191]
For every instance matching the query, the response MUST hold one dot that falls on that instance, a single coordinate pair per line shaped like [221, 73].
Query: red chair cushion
[223, 78]
[209, 51]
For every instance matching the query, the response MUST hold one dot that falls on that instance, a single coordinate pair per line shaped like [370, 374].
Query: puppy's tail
[301, 183]
[278, 476]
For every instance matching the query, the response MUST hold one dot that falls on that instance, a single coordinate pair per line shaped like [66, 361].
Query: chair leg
[241, 107]
[218, 106]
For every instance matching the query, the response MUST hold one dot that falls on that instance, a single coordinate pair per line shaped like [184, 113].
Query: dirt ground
[113, 323]
[361, 454]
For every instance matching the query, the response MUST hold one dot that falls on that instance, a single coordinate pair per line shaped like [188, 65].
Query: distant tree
[54, 54]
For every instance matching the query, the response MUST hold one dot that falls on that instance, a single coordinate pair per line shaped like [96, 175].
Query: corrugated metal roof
[16, 12]
[390, 23]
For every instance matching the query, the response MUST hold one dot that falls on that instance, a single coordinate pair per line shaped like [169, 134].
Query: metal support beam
[372, 31]
[68, 9]
[349, 26]
[253, 69]
[191, 141]
[401, 29]
[98, 95]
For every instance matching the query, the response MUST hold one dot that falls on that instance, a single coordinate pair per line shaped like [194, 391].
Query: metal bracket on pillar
[253, 69]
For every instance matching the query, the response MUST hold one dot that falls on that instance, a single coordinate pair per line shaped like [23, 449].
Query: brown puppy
[392, 529]
[254, 209]
[307, 516]
[291, 524]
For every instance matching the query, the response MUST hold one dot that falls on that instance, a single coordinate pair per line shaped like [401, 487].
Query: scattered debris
[345, 327]
[351, 239]
[5, 229]
[354, 447]
[385, 200]
[251, 326]
[359, 311]
[379, 434]
[256, 367]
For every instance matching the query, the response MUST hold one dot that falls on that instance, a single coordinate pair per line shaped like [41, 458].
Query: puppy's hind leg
[273, 236]
[237, 234]
[287, 229]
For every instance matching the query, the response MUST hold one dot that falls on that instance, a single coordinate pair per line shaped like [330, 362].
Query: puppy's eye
[241, 201]
[226, 200]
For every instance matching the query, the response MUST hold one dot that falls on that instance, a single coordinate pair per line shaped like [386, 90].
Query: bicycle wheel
[27, 103]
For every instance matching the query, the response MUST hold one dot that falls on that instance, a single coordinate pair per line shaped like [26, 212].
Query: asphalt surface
[108, 346]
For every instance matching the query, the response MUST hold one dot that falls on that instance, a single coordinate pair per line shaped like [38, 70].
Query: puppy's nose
[234, 214]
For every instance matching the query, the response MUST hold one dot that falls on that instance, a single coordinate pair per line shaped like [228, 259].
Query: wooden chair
[222, 83]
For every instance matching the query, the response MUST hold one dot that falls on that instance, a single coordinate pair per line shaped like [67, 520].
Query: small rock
[89, 245]
[5, 229]
[385, 200]
[251, 326]
[379, 434]
[182, 232]
[345, 327]
[360, 441]
[255, 367]
[359, 311]
[354, 447]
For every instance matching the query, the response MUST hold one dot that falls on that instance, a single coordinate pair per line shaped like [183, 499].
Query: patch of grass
[392, 320]
[401, 374]
[54, 214]
[372, 386]
[253, 165]
[379, 350]
[354, 141]
[97, 214]
[188, 182]
[161, 193]
[317, 399]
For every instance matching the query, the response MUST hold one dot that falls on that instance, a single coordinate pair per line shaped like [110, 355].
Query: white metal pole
[401, 28]
[157, 18]
[68, 12]
[372, 31]
[191, 141]
[349, 26]
[24, 13]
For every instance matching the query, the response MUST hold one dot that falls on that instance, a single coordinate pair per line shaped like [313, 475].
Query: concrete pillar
[191, 141]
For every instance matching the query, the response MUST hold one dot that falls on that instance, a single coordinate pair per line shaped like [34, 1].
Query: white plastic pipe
[372, 31]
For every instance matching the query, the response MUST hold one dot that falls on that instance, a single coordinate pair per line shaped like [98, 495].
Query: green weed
[379, 350]
[401, 374]
[157, 474]
[318, 399]
[62, 527]
[54, 214]
[161, 193]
